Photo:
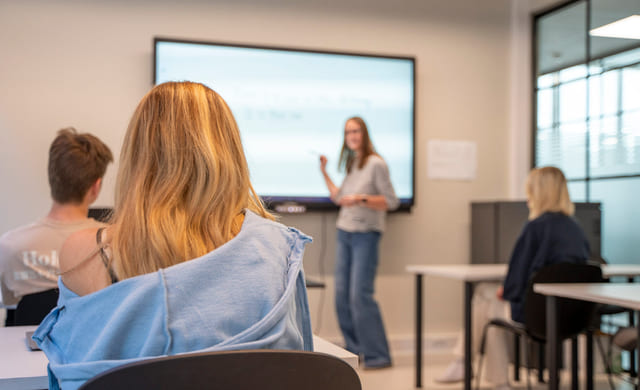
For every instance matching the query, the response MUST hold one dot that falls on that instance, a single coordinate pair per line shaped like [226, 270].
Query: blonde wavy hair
[183, 180]
[547, 192]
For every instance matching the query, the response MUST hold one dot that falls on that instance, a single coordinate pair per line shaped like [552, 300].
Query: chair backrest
[32, 308]
[101, 214]
[574, 316]
[247, 369]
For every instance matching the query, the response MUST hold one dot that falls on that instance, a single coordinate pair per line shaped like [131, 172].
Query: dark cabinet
[495, 227]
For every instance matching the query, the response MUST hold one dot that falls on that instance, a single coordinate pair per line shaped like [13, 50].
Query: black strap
[104, 257]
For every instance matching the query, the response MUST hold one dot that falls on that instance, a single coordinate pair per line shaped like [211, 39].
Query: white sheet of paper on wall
[451, 160]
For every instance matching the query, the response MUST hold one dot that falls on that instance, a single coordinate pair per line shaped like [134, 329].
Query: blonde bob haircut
[547, 192]
[183, 180]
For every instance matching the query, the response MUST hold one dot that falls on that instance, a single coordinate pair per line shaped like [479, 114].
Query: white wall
[87, 63]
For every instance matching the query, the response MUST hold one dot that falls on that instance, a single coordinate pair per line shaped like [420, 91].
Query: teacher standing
[364, 198]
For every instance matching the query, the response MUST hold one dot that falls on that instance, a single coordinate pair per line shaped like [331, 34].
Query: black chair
[625, 338]
[10, 318]
[237, 370]
[574, 317]
[603, 312]
[101, 214]
[607, 310]
[32, 308]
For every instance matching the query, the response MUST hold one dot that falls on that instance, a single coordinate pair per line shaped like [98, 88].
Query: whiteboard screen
[291, 106]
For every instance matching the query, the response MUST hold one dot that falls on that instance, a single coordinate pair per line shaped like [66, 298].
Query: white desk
[322, 345]
[21, 368]
[497, 272]
[621, 294]
[471, 274]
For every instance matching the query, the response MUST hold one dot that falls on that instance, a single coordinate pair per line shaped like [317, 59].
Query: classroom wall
[87, 64]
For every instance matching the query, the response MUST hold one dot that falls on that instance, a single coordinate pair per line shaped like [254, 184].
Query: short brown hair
[76, 161]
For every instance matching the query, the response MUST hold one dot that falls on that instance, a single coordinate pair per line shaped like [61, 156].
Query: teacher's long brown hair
[348, 156]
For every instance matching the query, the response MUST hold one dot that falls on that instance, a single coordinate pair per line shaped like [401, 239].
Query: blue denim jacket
[249, 293]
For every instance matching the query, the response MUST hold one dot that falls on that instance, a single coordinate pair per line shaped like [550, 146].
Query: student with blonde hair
[192, 263]
[550, 236]
[547, 192]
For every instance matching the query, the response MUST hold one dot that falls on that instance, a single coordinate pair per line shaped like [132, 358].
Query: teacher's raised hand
[323, 162]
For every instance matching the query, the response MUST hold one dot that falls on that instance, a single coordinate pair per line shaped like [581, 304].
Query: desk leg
[552, 340]
[468, 294]
[589, 345]
[516, 357]
[418, 330]
[574, 363]
[632, 356]
[638, 350]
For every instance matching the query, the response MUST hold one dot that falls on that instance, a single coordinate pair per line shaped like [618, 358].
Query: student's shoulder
[81, 270]
[376, 162]
[255, 222]
[534, 226]
[15, 238]
[77, 247]
[552, 218]
[376, 159]
[260, 226]
[83, 235]
[552, 224]
[21, 230]
[94, 223]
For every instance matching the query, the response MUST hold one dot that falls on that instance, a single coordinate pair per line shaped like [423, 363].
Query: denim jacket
[249, 293]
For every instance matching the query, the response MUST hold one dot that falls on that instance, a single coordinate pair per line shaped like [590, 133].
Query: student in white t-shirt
[29, 254]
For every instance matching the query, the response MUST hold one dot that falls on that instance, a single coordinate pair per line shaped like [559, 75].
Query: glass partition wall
[587, 112]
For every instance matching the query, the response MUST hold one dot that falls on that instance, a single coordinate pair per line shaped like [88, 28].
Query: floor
[402, 377]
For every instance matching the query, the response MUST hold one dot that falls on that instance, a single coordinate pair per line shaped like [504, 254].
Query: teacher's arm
[333, 189]
[386, 198]
[376, 202]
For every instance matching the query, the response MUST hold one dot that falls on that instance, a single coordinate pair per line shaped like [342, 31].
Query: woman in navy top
[551, 236]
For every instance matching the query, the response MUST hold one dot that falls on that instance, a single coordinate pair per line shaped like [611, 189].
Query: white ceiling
[562, 34]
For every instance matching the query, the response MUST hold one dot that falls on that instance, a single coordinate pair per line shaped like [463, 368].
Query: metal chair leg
[527, 352]
[574, 363]
[483, 340]
[541, 363]
[606, 358]
[516, 358]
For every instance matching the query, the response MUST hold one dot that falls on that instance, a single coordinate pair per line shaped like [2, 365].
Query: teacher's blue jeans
[358, 313]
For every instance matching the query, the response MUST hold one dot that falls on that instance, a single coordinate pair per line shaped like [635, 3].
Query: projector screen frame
[310, 203]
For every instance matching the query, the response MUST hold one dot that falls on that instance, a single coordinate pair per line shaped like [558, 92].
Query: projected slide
[291, 107]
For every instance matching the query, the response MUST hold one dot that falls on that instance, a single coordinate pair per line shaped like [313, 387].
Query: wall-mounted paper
[451, 160]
